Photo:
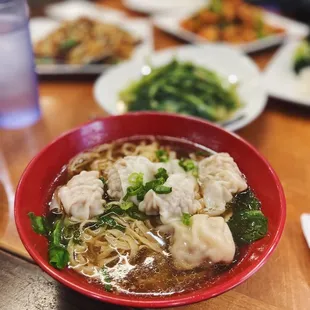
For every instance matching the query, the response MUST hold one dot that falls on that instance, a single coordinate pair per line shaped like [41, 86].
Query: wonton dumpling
[82, 196]
[118, 175]
[207, 239]
[171, 206]
[172, 166]
[220, 178]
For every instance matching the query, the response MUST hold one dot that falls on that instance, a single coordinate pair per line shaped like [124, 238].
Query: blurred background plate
[73, 9]
[170, 23]
[139, 27]
[155, 6]
[280, 79]
[225, 61]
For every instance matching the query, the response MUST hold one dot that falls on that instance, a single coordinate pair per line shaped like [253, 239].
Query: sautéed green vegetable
[185, 88]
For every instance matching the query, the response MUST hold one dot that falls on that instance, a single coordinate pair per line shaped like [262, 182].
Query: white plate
[74, 9]
[139, 27]
[155, 6]
[171, 24]
[280, 79]
[225, 61]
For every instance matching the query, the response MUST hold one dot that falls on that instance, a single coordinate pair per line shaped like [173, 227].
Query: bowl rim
[128, 300]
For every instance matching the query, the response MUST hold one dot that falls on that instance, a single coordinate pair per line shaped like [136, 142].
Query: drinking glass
[19, 106]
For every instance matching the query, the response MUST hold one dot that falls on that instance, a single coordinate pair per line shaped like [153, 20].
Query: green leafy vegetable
[57, 250]
[162, 155]
[102, 180]
[182, 87]
[248, 226]
[58, 256]
[107, 220]
[187, 164]
[55, 236]
[135, 213]
[186, 219]
[247, 223]
[107, 280]
[245, 201]
[38, 224]
[72, 231]
[56, 232]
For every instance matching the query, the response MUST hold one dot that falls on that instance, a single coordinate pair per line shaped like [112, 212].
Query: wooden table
[281, 133]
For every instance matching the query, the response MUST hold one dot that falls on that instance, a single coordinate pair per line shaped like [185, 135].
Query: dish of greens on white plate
[212, 81]
[287, 77]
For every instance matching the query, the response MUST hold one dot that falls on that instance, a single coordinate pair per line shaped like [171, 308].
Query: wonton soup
[150, 216]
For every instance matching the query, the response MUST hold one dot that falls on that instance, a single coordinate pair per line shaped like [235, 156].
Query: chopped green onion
[131, 191]
[125, 205]
[161, 173]
[136, 179]
[186, 219]
[154, 183]
[161, 189]
[140, 190]
[141, 193]
[187, 164]
[195, 172]
[162, 155]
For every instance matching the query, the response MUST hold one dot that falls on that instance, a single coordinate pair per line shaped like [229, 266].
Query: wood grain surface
[281, 134]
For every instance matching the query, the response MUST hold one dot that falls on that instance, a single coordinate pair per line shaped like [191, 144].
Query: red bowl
[35, 184]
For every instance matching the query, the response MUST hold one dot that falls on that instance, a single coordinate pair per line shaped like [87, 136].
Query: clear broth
[151, 273]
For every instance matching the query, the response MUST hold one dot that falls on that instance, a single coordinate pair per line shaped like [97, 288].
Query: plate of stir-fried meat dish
[232, 22]
[86, 45]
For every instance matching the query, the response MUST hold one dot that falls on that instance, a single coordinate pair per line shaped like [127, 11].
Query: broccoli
[247, 223]
[248, 226]
[245, 200]
[302, 56]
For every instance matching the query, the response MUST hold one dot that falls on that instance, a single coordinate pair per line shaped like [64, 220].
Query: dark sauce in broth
[152, 273]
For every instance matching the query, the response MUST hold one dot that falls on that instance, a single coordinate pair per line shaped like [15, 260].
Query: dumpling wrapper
[171, 206]
[220, 178]
[207, 239]
[118, 175]
[82, 196]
